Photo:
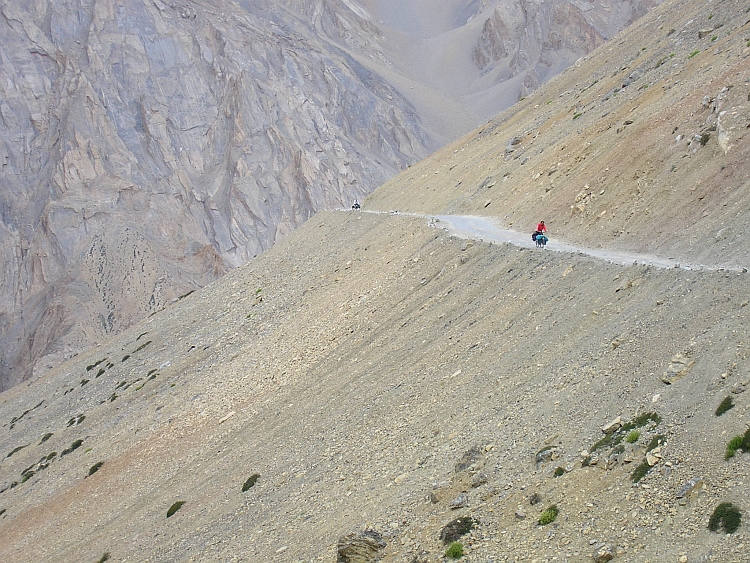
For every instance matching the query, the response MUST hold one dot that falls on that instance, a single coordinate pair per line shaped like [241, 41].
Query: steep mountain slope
[196, 134]
[371, 373]
[642, 146]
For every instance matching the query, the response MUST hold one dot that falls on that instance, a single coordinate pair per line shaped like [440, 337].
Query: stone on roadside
[612, 426]
[694, 485]
[603, 554]
[678, 368]
[362, 547]
[460, 501]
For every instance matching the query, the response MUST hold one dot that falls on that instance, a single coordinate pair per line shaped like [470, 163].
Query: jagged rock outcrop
[539, 39]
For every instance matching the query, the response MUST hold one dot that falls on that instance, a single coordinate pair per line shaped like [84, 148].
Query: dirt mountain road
[489, 229]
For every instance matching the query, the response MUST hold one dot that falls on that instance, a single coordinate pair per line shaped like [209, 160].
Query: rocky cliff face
[539, 39]
[149, 146]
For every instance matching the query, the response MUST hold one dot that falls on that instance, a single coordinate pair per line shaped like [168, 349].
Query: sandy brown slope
[359, 360]
[643, 145]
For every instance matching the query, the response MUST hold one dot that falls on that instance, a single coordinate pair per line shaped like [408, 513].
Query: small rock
[520, 514]
[690, 487]
[678, 368]
[460, 501]
[604, 554]
[363, 547]
[612, 426]
[478, 480]
[738, 388]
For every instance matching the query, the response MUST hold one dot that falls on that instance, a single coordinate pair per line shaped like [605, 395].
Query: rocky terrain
[372, 378]
[197, 134]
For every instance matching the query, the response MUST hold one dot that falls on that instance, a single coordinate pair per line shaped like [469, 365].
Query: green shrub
[746, 441]
[16, 450]
[125, 357]
[632, 436]
[74, 446]
[691, 55]
[641, 471]
[250, 481]
[724, 406]
[174, 508]
[655, 442]
[727, 516]
[559, 472]
[549, 515]
[100, 372]
[455, 550]
[456, 528]
[104, 558]
[46, 437]
[94, 468]
[84, 382]
[734, 444]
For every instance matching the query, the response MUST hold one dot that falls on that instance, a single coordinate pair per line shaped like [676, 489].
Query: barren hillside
[372, 378]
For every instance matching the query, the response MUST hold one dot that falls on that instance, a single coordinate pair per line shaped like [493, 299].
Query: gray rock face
[539, 39]
[149, 146]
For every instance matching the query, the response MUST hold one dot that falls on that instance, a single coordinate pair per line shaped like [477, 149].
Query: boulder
[362, 547]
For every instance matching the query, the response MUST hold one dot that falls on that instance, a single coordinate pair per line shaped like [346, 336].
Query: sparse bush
[549, 515]
[92, 366]
[142, 346]
[641, 471]
[632, 436]
[16, 450]
[46, 437]
[174, 508]
[250, 482]
[655, 442]
[725, 405]
[70, 449]
[100, 372]
[94, 468]
[727, 516]
[705, 137]
[559, 472]
[577, 115]
[454, 529]
[125, 357]
[84, 382]
[691, 55]
[734, 444]
[104, 558]
[455, 550]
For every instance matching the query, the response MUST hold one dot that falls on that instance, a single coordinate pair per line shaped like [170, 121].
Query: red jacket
[541, 227]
